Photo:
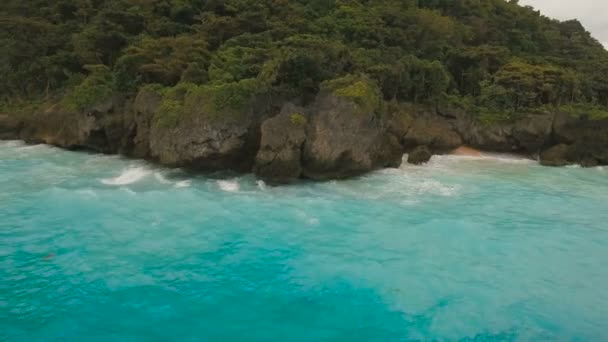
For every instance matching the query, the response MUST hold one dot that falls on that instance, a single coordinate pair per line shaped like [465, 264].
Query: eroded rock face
[53, 127]
[334, 137]
[587, 139]
[419, 155]
[200, 143]
[433, 131]
[99, 128]
[279, 159]
[10, 126]
[137, 142]
[533, 132]
[201, 135]
[497, 137]
[558, 155]
[345, 141]
[528, 135]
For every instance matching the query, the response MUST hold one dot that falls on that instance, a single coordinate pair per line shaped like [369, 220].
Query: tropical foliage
[492, 54]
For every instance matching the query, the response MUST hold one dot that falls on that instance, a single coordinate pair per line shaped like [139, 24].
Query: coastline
[331, 138]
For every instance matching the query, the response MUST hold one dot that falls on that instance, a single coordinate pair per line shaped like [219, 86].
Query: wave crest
[229, 185]
[128, 176]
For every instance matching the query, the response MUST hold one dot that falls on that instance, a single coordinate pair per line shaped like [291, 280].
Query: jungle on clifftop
[290, 89]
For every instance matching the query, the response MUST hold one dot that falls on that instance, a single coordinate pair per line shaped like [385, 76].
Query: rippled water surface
[98, 248]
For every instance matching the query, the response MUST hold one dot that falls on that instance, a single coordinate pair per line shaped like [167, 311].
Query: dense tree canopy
[492, 53]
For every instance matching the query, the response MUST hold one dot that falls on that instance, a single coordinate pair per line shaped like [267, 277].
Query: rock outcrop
[431, 130]
[533, 132]
[346, 139]
[419, 155]
[99, 128]
[10, 126]
[558, 155]
[199, 143]
[346, 131]
[577, 141]
[279, 159]
[197, 135]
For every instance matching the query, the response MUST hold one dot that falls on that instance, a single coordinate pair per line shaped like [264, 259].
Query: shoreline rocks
[282, 138]
[345, 140]
[419, 155]
[332, 137]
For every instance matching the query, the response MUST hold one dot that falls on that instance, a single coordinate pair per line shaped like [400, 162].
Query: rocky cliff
[337, 135]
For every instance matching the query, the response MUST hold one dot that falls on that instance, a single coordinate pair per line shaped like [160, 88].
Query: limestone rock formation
[279, 159]
[419, 155]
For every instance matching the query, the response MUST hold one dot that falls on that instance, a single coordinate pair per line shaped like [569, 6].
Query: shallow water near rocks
[98, 248]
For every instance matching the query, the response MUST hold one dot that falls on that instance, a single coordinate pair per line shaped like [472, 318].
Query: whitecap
[183, 184]
[436, 188]
[229, 185]
[261, 184]
[128, 176]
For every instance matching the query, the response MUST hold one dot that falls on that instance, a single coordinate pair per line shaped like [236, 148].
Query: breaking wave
[128, 176]
[229, 185]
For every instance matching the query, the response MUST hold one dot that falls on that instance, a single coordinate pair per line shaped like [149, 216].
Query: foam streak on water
[129, 176]
[492, 248]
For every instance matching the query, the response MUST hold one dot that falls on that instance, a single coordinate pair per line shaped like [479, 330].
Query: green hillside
[488, 56]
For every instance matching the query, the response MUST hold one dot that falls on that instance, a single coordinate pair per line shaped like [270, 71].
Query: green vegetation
[229, 100]
[492, 57]
[360, 90]
[96, 87]
[298, 119]
[583, 110]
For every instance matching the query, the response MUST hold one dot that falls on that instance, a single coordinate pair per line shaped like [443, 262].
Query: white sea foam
[183, 184]
[34, 147]
[128, 176]
[496, 157]
[261, 184]
[410, 183]
[435, 188]
[24, 150]
[228, 185]
[12, 143]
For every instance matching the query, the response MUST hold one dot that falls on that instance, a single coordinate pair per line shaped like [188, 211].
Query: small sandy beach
[466, 151]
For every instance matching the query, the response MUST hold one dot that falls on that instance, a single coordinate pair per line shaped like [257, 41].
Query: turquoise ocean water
[99, 248]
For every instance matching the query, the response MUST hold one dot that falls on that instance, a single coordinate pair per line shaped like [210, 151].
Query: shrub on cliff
[218, 101]
[361, 90]
[98, 86]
